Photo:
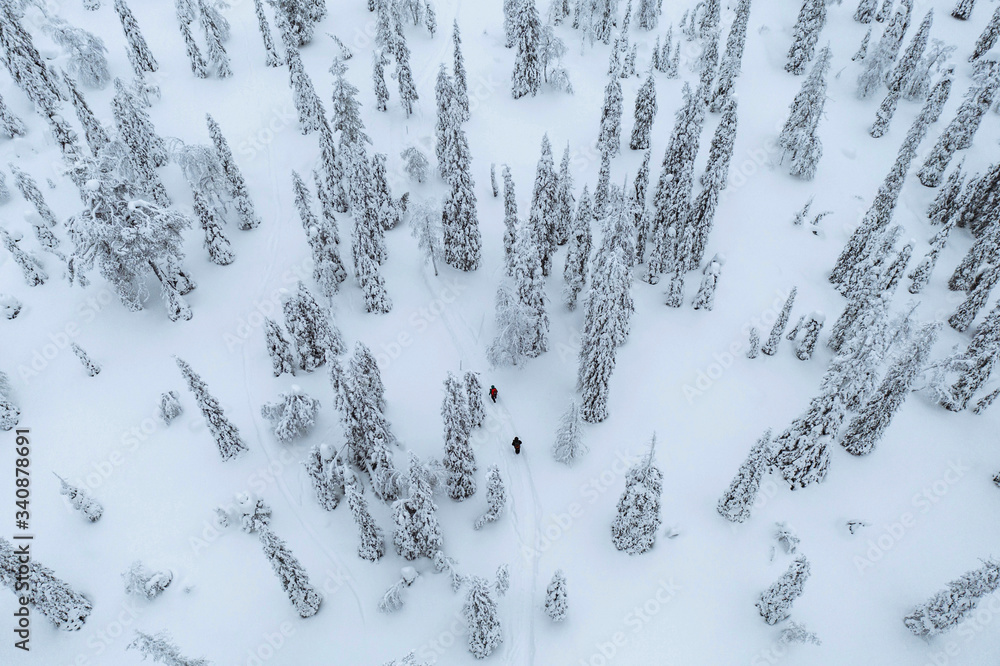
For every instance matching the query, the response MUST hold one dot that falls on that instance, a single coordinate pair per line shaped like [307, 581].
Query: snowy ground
[926, 491]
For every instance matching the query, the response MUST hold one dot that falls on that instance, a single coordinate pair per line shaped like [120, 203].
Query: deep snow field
[683, 374]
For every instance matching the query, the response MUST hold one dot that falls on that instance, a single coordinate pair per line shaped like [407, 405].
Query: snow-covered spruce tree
[802, 452]
[863, 47]
[984, 404]
[988, 38]
[325, 471]
[94, 132]
[672, 199]
[10, 124]
[271, 57]
[737, 503]
[9, 412]
[984, 251]
[810, 334]
[951, 605]
[509, 220]
[515, 324]
[609, 136]
[798, 138]
[776, 601]
[720, 153]
[565, 201]
[732, 60]
[544, 206]
[979, 294]
[371, 544]
[946, 201]
[754, 347]
[496, 497]
[28, 188]
[234, 177]
[140, 581]
[901, 75]
[25, 64]
[569, 446]
[214, 36]
[4, 190]
[882, 55]
[978, 361]
[921, 275]
[328, 270]
[598, 351]
[805, 34]
[93, 369]
[556, 603]
[294, 579]
[52, 598]
[170, 406]
[638, 519]
[645, 112]
[218, 246]
[648, 14]
[459, 459]
[959, 132]
[530, 285]
[379, 61]
[32, 270]
[293, 415]
[415, 164]
[404, 75]
[868, 426]
[474, 392]
[310, 109]
[311, 329]
[185, 16]
[527, 29]
[278, 348]
[160, 647]
[865, 11]
[481, 614]
[444, 90]
[139, 54]
[459, 220]
[81, 500]
[301, 16]
[771, 346]
[136, 130]
[963, 9]
[227, 437]
[705, 298]
[461, 91]
[417, 531]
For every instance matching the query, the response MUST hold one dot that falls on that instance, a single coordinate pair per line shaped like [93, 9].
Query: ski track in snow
[525, 507]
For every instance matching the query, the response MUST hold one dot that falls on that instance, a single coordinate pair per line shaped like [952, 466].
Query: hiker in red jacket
[517, 445]
[493, 392]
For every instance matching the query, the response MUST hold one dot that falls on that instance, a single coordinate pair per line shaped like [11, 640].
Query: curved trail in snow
[525, 507]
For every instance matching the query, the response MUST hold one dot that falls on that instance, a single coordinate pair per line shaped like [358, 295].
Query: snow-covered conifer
[802, 452]
[294, 579]
[898, 80]
[325, 471]
[638, 520]
[170, 406]
[732, 60]
[139, 54]
[160, 647]
[811, 327]
[946, 201]
[776, 601]
[293, 415]
[556, 603]
[705, 297]
[415, 164]
[9, 412]
[812, 18]
[214, 36]
[569, 446]
[404, 75]
[272, 59]
[307, 103]
[564, 201]
[645, 112]
[544, 206]
[527, 29]
[496, 497]
[754, 347]
[988, 38]
[10, 124]
[313, 332]
[979, 294]
[93, 369]
[417, 531]
[52, 598]
[951, 605]
[609, 136]
[32, 270]
[459, 459]
[301, 16]
[474, 391]
[461, 92]
[798, 138]
[515, 324]
[185, 16]
[81, 500]
[371, 545]
[865, 11]
[738, 501]
[963, 9]
[234, 177]
[509, 220]
[140, 581]
[379, 62]
[863, 48]
[779, 326]
[227, 437]
[218, 246]
[28, 188]
[882, 55]
[481, 614]
[528, 277]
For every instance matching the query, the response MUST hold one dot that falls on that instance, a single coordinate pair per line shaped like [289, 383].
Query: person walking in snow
[517, 445]
[493, 392]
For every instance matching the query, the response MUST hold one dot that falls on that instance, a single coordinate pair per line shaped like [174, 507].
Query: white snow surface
[926, 490]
